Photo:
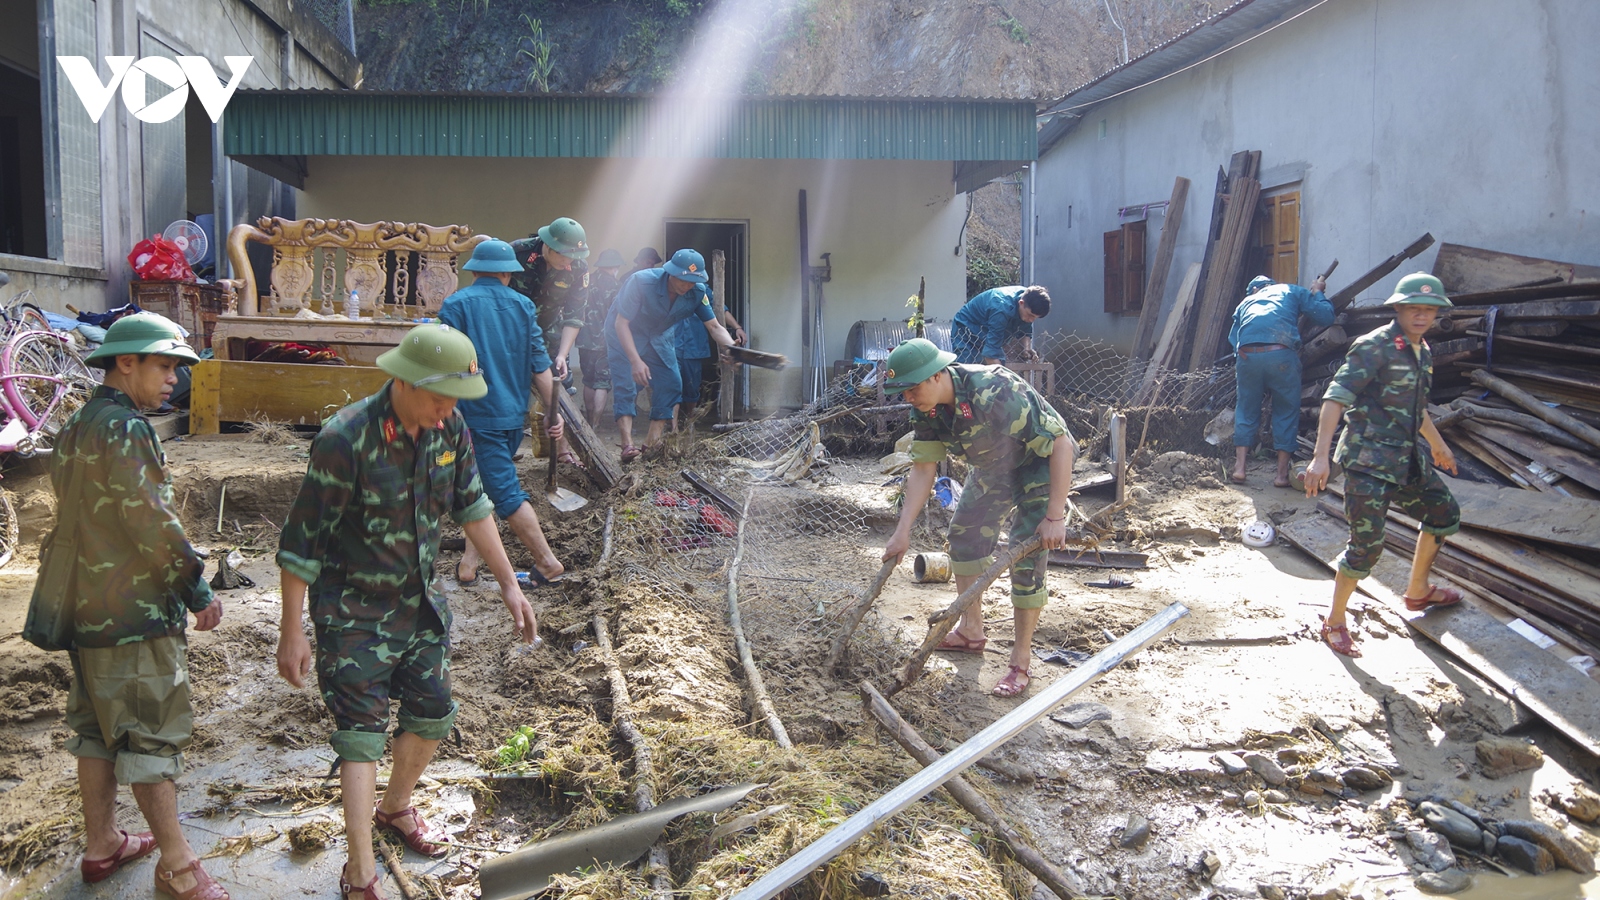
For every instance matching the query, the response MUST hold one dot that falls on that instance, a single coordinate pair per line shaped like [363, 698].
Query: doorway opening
[733, 239]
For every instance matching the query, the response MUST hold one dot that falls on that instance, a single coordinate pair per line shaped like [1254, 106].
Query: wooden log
[659, 867]
[940, 623]
[964, 794]
[1537, 427]
[1476, 450]
[726, 371]
[1533, 405]
[1331, 342]
[1160, 266]
[402, 878]
[1119, 454]
[1565, 379]
[602, 468]
[1544, 349]
[1219, 210]
[1524, 474]
[1577, 465]
[1351, 291]
[760, 699]
[857, 612]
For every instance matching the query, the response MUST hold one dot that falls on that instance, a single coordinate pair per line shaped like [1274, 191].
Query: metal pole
[919, 785]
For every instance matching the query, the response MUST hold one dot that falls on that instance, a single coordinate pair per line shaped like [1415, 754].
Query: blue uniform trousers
[1275, 372]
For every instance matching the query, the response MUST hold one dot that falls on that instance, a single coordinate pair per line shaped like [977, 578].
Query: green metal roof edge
[356, 123]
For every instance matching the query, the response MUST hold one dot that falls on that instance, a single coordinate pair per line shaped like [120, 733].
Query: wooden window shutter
[1133, 267]
[1113, 265]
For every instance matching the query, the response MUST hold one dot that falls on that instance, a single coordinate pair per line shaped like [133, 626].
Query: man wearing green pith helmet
[1381, 393]
[1020, 456]
[360, 542]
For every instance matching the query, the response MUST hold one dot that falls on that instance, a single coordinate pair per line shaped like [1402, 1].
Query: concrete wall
[885, 224]
[1470, 119]
[98, 279]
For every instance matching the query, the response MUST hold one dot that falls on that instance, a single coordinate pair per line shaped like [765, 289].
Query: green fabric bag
[51, 612]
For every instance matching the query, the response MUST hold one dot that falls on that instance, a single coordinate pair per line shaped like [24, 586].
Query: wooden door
[1278, 236]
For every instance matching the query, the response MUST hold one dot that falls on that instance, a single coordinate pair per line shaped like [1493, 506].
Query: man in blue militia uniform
[643, 347]
[1020, 456]
[1381, 392]
[360, 542]
[989, 321]
[694, 348]
[1266, 338]
[503, 326]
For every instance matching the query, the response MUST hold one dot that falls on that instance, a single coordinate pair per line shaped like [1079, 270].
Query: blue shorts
[494, 447]
[665, 382]
[692, 373]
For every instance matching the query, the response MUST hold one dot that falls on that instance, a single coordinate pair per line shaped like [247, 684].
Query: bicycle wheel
[8, 527]
[33, 318]
[45, 381]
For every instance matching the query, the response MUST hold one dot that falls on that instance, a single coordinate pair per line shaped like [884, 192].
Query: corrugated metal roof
[1237, 22]
[367, 123]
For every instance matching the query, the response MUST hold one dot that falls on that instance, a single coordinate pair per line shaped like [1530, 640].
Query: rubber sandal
[467, 582]
[417, 840]
[630, 453]
[205, 887]
[1015, 682]
[1338, 639]
[100, 869]
[533, 578]
[1448, 597]
[571, 459]
[348, 890]
[959, 643]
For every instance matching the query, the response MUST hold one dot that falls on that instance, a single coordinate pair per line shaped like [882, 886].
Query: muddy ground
[1244, 672]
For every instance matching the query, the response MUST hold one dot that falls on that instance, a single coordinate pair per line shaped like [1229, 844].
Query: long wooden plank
[1555, 691]
[1160, 266]
[285, 393]
[1466, 269]
[1578, 466]
[599, 464]
[1222, 282]
[1166, 351]
[1542, 517]
[1542, 348]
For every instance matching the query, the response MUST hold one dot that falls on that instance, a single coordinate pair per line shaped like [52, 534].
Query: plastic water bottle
[352, 305]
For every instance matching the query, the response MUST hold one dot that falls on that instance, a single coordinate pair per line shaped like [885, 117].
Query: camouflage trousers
[1366, 501]
[359, 671]
[986, 498]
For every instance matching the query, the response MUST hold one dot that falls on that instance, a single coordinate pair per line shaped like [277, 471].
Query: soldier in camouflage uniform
[1020, 456]
[1381, 392]
[361, 540]
[591, 336]
[139, 578]
[555, 277]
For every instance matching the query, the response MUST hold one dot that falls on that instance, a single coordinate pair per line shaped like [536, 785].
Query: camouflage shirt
[138, 576]
[1384, 386]
[364, 530]
[603, 287]
[996, 418]
[557, 295]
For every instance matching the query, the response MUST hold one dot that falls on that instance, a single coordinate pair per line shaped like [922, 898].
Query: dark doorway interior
[732, 238]
[22, 220]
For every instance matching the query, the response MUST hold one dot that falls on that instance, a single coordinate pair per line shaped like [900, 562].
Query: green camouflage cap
[436, 358]
[566, 237]
[142, 333]
[914, 362]
[1419, 288]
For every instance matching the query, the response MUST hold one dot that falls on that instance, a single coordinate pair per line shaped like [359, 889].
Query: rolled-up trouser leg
[129, 705]
[623, 388]
[1366, 504]
[1031, 493]
[359, 670]
[1430, 502]
[986, 499]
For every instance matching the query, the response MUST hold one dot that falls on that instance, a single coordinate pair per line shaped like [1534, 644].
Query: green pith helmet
[914, 362]
[142, 333]
[436, 358]
[609, 259]
[1419, 288]
[565, 236]
[493, 256]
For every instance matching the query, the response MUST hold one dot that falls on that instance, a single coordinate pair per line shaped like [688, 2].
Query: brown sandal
[94, 870]
[348, 890]
[1447, 597]
[1015, 682]
[960, 643]
[1338, 639]
[205, 887]
[418, 839]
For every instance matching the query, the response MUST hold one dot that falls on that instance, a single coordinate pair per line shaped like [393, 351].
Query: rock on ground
[1450, 881]
[1136, 832]
[1499, 757]
[1564, 849]
[1231, 763]
[1080, 715]
[1267, 768]
[1362, 778]
[1458, 828]
[1431, 850]
[1525, 855]
[1580, 803]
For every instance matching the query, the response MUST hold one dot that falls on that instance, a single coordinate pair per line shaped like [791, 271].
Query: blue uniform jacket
[504, 328]
[652, 312]
[1272, 315]
[993, 315]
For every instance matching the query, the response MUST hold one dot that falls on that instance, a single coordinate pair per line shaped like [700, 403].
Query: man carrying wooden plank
[361, 541]
[1266, 340]
[1381, 392]
[1020, 454]
[989, 321]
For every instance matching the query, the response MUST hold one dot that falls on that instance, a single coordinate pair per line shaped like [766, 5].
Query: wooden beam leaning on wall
[1222, 280]
[1160, 266]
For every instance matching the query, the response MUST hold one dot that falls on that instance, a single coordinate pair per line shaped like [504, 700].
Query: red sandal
[630, 453]
[348, 890]
[960, 643]
[205, 887]
[1015, 682]
[418, 839]
[1447, 597]
[100, 869]
[1338, 639]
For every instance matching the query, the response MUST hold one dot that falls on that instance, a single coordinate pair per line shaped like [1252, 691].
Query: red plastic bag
[159, 259]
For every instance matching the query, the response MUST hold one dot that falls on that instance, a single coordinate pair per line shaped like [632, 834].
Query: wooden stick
[1533, 405]
[758, 686]
[1536, 427]
[644, 798]
[605, 537]
[940, 623]
[857, 612]
[401, 876]
[222, 501]
[965, 794]
[1119, 452]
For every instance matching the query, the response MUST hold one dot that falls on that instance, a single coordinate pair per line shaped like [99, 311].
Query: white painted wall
[1474, 120]
[885, 224]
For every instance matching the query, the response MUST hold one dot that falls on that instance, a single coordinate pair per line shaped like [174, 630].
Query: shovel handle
[550, 479]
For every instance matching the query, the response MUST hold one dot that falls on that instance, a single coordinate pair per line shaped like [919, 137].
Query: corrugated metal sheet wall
[312, 123]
